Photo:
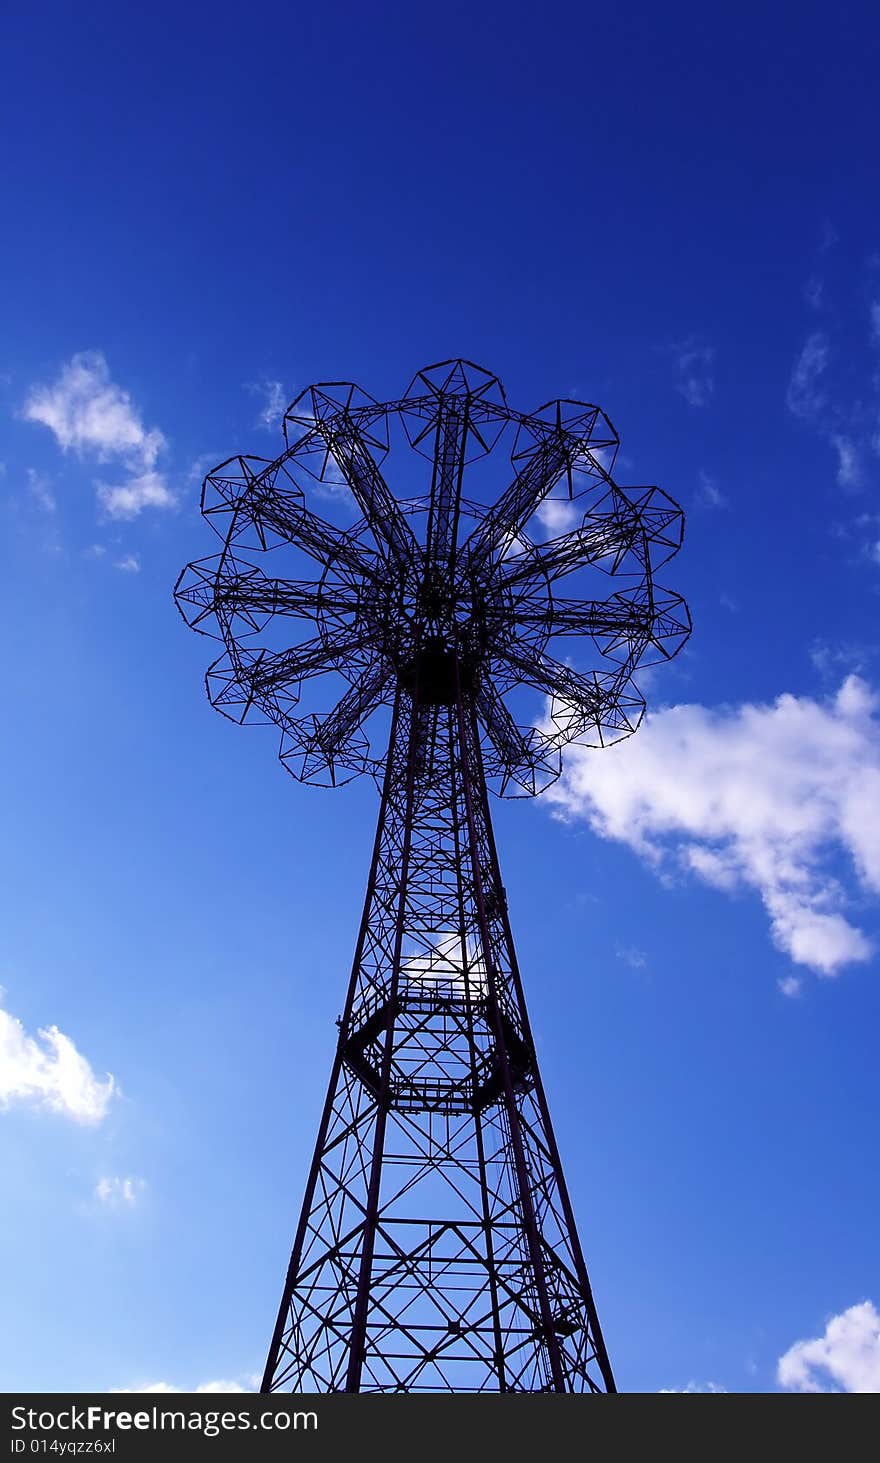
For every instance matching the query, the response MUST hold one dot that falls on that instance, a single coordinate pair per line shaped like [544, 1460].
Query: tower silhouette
[436, 1248]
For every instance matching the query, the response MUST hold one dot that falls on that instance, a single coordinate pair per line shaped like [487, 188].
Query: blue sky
[671, 213]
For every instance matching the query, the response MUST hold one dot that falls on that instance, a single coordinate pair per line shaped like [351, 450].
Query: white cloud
[847, 1356]
[558, 515]
[127, 500]
[222, 1387]
[168, 1387]
[696, 380]
[631, 956]
[38, 487]
[119, 1193]
[754, 796]
[695, 1387]
[805, 395]
[88, 413]
[440, 955]
[47, 1071]
[129, 564]
[275, 401]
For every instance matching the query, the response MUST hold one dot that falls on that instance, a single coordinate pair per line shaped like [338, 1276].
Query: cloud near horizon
[846, 1358]
[168, 1388]
[758, 797]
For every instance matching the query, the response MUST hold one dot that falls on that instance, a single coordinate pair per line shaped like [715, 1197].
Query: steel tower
[436, 1248]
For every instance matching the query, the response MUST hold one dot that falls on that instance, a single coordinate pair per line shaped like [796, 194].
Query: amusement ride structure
[475, 594]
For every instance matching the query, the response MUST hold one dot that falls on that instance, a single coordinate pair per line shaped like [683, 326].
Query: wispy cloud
[119, 1193]
[845, 1358]
[89, 414]
[790, 985]
[806, 394]
[828, 237]
[202, 465]
[708, 494]
[40, 492]
[636, 959]
[833, 659]
[861, 535]
[849, 424]
[849, 462]
[761, 797]
[695, 362]
[814, 292]
[274, 402]
[47, 1071]
[129, 564]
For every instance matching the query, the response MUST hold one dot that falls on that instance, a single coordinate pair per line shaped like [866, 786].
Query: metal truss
[436, 1248]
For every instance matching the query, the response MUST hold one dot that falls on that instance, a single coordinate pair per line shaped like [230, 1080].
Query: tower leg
[436, 1248]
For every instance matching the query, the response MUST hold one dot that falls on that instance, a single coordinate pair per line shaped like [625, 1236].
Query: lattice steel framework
[436, 1248]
